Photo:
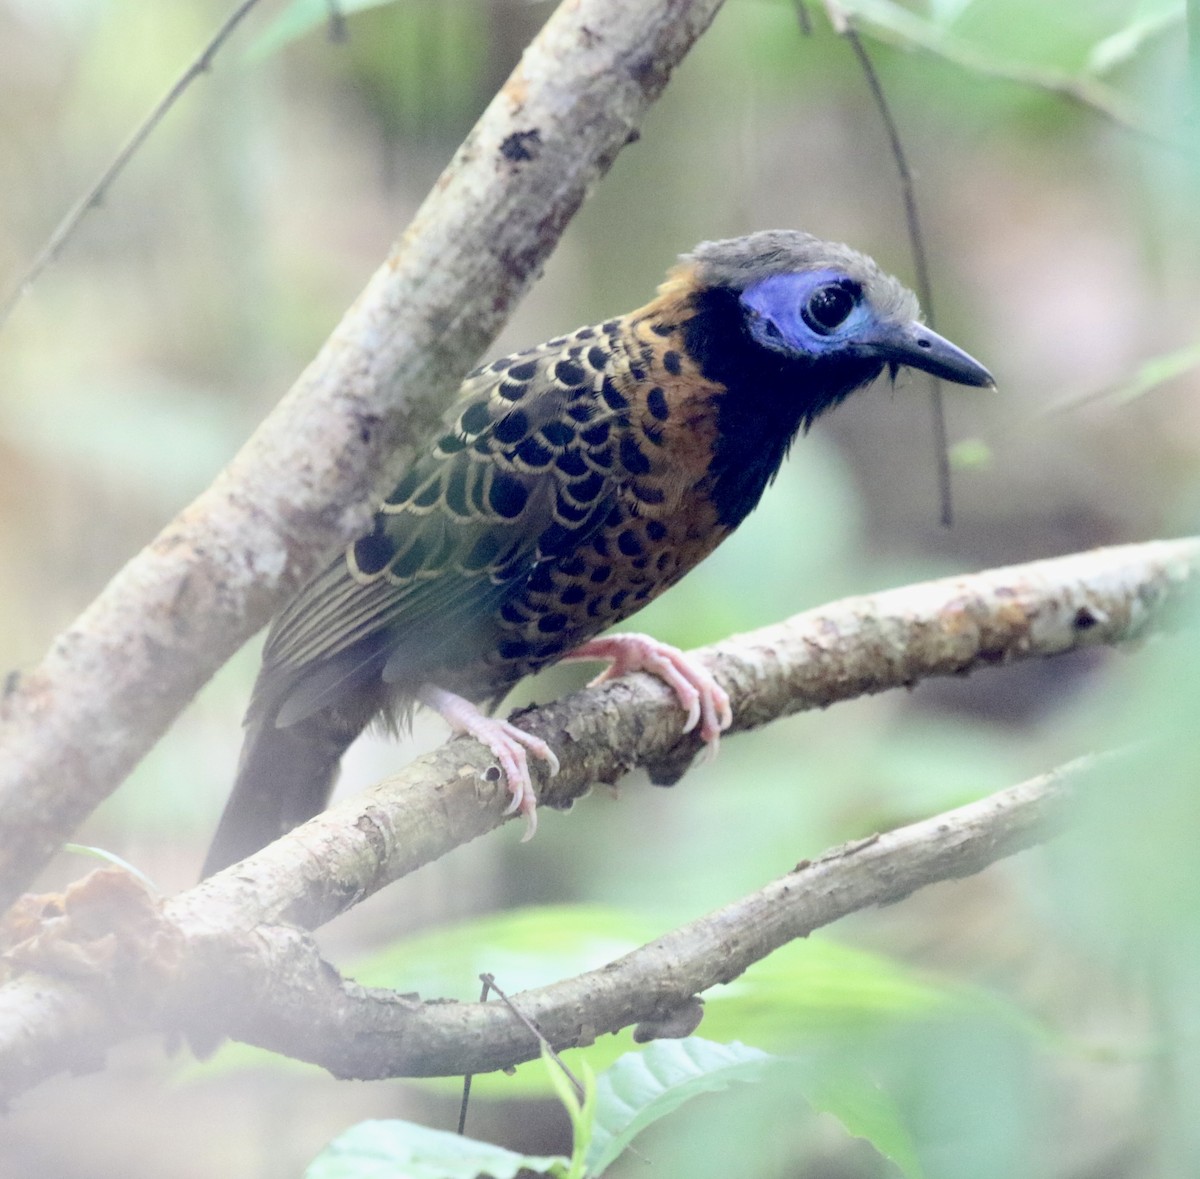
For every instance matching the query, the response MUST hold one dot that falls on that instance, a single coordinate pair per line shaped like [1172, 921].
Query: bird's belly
[567, 601]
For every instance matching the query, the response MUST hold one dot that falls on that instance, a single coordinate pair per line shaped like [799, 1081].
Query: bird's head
[823, 305]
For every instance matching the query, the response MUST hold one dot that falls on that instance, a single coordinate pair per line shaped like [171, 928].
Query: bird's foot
[702, 698]
[509, 745]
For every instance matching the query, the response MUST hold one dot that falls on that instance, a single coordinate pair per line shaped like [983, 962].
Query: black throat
[768, 398]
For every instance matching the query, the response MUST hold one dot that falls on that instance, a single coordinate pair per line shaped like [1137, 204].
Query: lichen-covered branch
[230, 957]
[71, 728]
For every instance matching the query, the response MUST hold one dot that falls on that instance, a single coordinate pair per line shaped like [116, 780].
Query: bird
[569, 485]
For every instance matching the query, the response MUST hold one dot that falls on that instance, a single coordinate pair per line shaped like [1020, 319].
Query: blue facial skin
[777, 306]
[822, 316]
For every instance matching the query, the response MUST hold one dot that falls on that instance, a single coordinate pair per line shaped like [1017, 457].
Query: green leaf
[395, 1149]
[99, 853]
[643, 1087]
[1123, 45]
[870, 1113]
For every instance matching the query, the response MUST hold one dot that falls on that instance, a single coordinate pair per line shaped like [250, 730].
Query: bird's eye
[827, 307]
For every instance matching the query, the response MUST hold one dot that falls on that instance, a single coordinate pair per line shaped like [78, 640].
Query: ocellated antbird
[571, 484]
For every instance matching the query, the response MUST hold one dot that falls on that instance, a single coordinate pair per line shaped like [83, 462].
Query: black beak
[915, 345]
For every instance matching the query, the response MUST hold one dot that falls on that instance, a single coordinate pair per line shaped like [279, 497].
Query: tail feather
[285, 776]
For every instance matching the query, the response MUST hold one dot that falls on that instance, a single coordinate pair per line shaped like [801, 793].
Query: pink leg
[704, 700]
[507, 743]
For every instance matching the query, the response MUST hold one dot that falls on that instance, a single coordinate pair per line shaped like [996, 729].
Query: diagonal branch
[109, 686]
[227, 958]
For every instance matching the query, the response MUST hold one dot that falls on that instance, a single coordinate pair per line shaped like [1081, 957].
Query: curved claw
[702, 698]
[510, 746]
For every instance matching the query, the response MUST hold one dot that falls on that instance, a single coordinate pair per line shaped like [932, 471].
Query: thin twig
[467, 1077]
[95, 195]
[941, 441]
[803, 19]
[489, 982]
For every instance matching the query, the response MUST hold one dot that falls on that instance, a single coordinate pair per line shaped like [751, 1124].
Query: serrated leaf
[643, 1087]
[395, 1149]
[867, 1112]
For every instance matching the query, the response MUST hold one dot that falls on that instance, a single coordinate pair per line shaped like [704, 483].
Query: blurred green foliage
[1039, 1020]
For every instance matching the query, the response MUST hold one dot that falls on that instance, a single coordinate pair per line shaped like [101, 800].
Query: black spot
[451, 443]
[672, 363]
[613, 397]
[521, 145]
[540, 581]
[555, 540]
[508, 496]
[571, 463]
[524, 371]
[535, 452]
[428, 494]
[665, 560]
[512, 427]
[475, 418]
[513, 649]
[656, 403]
[412, 560]
[609, 326]
[579, 411]
[601, 574]
[601, 458]
[656, 529]
[596, 435]
[586, 491]
[585, 333]
[643, 593]
[641, 563]
[498, 366]
[653, 434]
[482, 444]
[512, 612]
[572, 566]
[551, 624]
[629, 543]
[662, 329]
[569, 373]
[558, 434]
[404, 489]
[600, 546]
[615, 518]
[632, 459]
[511, 392]
[638, 374]
[597, 357]
[372, 552]
[572, 595]
[1084, 619]
[594, 607]
[569, 511]
[475, 372]
[618, 599]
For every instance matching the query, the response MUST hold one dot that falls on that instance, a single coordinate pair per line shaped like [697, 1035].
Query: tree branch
[71, 729]
[226, 957]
